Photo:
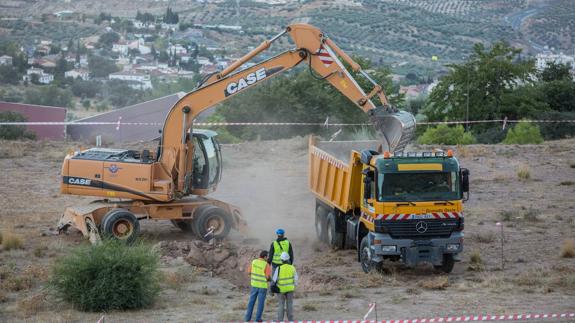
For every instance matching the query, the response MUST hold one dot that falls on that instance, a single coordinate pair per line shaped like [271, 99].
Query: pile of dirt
[224, 259]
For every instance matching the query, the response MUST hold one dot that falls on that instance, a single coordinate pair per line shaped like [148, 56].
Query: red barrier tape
[466, 318]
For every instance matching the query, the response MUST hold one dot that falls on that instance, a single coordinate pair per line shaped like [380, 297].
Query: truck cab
[411, 209]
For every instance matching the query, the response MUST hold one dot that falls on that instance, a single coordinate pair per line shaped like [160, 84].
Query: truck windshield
[411, 186]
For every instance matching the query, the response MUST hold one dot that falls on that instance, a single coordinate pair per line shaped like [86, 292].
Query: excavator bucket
[396, 128]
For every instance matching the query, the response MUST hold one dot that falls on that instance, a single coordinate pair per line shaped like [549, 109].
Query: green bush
[14, 132]
[445, 135]
[109, 276]
[524, 133]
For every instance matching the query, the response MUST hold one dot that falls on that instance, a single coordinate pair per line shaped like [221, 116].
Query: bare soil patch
[268, 180]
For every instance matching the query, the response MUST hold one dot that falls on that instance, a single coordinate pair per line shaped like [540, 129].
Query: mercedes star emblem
[421, 227]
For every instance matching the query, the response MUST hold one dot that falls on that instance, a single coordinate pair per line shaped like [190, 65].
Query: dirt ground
[268, 180]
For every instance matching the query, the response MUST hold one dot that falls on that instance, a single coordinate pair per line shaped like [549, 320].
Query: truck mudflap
[413, 252]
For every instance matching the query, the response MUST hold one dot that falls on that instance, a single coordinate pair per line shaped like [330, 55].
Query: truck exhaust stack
[396, 128]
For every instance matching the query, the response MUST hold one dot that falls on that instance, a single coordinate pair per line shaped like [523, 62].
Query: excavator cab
[207, 160]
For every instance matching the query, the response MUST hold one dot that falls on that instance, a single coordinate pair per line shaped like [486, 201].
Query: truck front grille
[407, 229]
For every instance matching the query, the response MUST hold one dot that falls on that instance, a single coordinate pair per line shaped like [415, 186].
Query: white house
[43, 78]
[177, 49]
[78, 73]
[6, 60]
[203, 61]
[137, 81]
[545, 58]
[120, 47]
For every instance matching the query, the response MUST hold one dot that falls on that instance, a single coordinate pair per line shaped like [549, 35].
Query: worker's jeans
[285, 298]
[260, 295]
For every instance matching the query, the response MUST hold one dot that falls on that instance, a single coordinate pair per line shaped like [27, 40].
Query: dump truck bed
[335, 171]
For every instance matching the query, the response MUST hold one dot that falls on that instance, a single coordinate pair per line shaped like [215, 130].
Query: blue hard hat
[280, 232]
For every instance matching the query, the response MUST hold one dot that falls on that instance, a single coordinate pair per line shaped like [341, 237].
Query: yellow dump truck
[402, 206]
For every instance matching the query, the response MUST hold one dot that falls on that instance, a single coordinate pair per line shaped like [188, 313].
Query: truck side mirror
[465, 180]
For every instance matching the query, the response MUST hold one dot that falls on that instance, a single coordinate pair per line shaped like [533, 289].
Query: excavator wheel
[120, 224]
[321, 223]
[210, 217]
[334, 239]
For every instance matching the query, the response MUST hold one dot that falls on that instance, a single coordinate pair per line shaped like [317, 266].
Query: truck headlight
[388, 248]
[453, 247]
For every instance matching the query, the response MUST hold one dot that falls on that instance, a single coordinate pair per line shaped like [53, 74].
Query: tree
[445, 135]
[100, 66]
[9, 75]
[14, 132]
[170, 17]
[482, 81]
[106, 40]
[298, 96]
[61, 68]
[556, 72]
[85, 89]
[49, 95]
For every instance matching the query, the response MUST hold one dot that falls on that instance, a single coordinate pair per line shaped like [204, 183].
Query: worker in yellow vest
[285, 277]
[260, 272]
[280, 245]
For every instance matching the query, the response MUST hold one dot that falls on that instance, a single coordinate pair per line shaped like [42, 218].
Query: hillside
[398, 32]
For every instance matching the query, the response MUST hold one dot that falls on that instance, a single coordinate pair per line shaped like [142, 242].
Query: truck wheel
[211, 216]
[448, 263]
[121, 225]
[321, 223]
[365, 255]
[334, 239]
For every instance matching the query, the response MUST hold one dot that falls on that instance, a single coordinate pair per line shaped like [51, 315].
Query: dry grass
[179, 278]
[32, 305]
[437, 283]
[3, 296]
[475, 261]
[13, 149]
[11, 241]
[371, 280]
[350, 294]
[485, 237]
[309, 307]
[242, 305]
[568, 249]
[15, 283]
[507, 215]
[531, 215]
[523, 173]
[205, 290]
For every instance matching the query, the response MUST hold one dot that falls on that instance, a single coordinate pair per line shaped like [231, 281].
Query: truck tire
[211, 216]
[321, 223]
[448, 263]
[365, 255]
[120, 224]
[334, 239]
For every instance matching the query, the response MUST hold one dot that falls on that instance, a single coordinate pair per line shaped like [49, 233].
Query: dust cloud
[268, 181]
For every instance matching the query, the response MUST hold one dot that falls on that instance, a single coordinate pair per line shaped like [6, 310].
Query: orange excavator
[173, 182]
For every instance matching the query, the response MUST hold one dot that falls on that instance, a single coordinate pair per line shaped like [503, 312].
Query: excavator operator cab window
[207, 168]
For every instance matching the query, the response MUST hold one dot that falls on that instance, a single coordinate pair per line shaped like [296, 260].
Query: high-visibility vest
[286, 278]
[258, 273]
[282, 246]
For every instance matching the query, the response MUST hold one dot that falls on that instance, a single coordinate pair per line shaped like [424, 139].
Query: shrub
[523, 173]
[523, 133]
[568, 249]
[14, 132]
[445, 135]
[109, 276]
[11, 241]
[475, 261]
[438, 283]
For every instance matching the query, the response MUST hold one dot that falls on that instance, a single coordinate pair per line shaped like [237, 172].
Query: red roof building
[40, 113]
[150, 114]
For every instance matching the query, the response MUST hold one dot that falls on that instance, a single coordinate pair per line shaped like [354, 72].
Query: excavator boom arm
[311, 46]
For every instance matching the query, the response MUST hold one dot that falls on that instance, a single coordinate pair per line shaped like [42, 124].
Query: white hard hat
[284, 256]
